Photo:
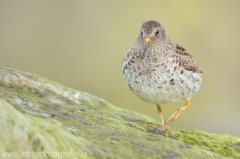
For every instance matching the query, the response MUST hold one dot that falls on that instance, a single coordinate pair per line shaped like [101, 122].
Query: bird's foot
[169, 131]
[163, 128]
[151, 125]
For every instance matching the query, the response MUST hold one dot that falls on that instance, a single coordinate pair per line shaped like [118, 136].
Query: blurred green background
[81, 44]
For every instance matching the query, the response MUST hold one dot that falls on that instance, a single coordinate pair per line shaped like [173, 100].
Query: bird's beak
[147, 44]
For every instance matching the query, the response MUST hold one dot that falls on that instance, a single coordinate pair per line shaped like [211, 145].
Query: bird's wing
[186, 60]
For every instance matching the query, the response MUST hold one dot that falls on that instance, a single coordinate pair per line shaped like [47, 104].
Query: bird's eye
[141, 33]
[157, 32]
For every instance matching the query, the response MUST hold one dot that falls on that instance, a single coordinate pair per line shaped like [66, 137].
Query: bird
[159, 71]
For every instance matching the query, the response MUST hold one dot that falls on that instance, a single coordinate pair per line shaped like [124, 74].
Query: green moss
[220, 144]
[47, 116]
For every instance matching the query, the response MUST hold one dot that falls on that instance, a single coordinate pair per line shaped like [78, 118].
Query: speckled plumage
[167, 73]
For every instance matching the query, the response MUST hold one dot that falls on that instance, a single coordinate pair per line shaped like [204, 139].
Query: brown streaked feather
[188, 62]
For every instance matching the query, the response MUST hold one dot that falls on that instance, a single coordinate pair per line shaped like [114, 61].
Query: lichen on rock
[38, 115]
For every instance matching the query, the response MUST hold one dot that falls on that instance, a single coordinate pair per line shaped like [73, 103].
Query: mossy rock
[39, 115]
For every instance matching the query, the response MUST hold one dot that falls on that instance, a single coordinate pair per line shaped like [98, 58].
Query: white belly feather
[163, 88]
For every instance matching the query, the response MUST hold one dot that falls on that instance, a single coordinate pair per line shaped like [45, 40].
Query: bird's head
[151, 33]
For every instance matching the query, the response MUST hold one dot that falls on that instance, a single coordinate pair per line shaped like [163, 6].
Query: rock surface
[39, 115]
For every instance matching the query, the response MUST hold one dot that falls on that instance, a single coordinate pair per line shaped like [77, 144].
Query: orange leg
[178, 112]
[161, 115]
[163, 124]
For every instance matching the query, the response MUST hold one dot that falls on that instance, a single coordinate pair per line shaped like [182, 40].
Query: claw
[173, 136]
[164, 129]
[177, 135]
[151, 125]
